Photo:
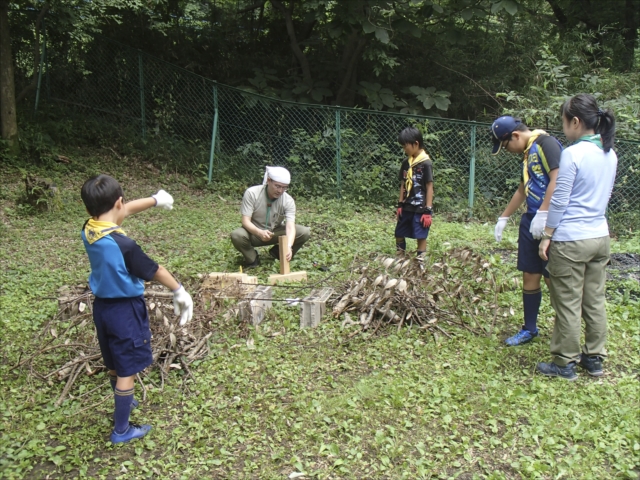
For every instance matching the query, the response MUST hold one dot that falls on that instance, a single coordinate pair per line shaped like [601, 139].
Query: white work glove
[163, 200]
[500, 226]
[538, 223]
[182, 305]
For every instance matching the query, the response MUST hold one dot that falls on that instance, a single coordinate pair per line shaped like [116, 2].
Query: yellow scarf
[534, 135]
[413, 161]
[94, 230]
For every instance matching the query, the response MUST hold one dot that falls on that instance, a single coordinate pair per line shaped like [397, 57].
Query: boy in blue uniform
[414, 209]
[539, 171]
[119, 268]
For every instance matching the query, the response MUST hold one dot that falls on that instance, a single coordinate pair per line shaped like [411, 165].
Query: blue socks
[113, 379]
[123, 399]
[531, 302]
[401, 246]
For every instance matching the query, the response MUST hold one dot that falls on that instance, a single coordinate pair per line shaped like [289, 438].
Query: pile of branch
[457, 288]
[69, 347]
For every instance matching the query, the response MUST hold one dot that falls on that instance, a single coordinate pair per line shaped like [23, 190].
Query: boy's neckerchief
[413, 161]
[94, 230]
[596, 139]
[534, 136]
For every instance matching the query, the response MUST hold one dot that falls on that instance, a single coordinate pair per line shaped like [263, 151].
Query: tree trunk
[352, 52]
[299, 54]
[8, 117]
[630, 33]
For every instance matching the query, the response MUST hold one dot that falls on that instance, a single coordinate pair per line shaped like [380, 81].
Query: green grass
[399, 405]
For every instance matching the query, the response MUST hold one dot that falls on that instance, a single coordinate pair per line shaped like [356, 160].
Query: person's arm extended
[290, 228]
[401, 197]
[137, 206]
[516, 200]
[165, 278]
[562, 191]
[247, 224]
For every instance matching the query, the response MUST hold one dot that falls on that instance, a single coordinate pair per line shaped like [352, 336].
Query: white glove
[500, 226]
[182, 305]
[163, 200]
[538, 223]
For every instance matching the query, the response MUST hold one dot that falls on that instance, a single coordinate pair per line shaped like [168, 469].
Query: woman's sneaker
[522, 337]
[134, 431]
[552, 370]
[593, 365]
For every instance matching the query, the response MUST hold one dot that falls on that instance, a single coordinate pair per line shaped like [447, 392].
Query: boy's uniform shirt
[540, 157]
[421, 174]
[119, 267]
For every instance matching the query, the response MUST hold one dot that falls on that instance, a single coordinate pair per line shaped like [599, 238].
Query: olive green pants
[244, 241]
[577, 271]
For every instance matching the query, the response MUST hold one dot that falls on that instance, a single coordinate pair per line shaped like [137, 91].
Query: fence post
[472, 170]
[214, 131]
[141, 79]
[338, 155]
[43, 48]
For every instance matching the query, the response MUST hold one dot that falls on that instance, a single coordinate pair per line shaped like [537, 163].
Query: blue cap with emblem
[501, 130]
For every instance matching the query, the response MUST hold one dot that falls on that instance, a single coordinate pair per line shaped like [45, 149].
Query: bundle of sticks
[69, 345]
[457, 287]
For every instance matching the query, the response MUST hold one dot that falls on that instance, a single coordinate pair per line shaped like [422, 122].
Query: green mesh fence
[331, 151]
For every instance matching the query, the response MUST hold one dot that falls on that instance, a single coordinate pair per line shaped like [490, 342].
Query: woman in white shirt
[576, 238]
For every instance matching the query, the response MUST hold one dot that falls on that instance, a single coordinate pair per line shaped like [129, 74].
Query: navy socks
[113, 379]
[123, 399]
[401, 246]
[531, 302]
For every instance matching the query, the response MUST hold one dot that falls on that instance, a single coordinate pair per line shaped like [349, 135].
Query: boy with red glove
[416, 192]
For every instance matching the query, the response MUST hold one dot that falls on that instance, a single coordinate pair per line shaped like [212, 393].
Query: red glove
[425, 220]
[399, 212]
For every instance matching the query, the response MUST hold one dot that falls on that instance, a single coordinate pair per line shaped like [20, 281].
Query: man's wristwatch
[428, 210]
[545, 234]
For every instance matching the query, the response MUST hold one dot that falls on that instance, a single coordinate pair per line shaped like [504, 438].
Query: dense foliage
[469, 59]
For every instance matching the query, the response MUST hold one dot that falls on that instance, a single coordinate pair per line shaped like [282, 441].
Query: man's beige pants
[244, 241]
[577, 274]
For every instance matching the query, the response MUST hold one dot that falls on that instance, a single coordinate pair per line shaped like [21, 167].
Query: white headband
[277, 174]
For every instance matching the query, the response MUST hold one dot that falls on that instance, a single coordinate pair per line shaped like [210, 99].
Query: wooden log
[254, 308]
[314, 307]
[289, 277]
[283, 248]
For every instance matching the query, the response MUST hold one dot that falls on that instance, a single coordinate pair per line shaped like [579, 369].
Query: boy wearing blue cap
[414, 209]
[539, 171]
[119, 268]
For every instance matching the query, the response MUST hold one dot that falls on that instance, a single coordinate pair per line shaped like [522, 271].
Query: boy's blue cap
[501, 130]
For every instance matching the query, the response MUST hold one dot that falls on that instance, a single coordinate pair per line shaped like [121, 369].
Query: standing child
[539, 171]
[578, 232]
[119, 268]
[414, 209]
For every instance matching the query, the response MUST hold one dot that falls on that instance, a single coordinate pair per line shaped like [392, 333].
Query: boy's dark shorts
[123, 331]
[529, 260]
[409, 226]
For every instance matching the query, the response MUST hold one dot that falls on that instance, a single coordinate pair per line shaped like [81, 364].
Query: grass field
[396, 405]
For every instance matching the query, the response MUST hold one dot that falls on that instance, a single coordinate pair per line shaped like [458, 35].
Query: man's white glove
[538, 223]
[500, 226]
[163, 200]
[182, 305]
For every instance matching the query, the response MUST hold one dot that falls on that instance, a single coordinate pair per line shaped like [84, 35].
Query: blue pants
[409, 226]
[529, 260]
[122, 326]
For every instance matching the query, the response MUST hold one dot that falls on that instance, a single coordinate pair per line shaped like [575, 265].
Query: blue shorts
[529, 260]
[409, 226]
[122, 325]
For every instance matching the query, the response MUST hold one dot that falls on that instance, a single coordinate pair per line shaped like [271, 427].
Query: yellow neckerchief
[94, 230]
[534, 135]
[413, 161]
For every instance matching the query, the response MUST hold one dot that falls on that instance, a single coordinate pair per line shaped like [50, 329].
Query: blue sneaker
[134, 431]
[593, 364]
[552, 370]
[522, 337]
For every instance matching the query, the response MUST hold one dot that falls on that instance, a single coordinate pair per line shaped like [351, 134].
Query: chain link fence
[230, 134]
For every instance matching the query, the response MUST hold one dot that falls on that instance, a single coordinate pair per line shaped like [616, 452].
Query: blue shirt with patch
[542, 157]
[119, 267]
